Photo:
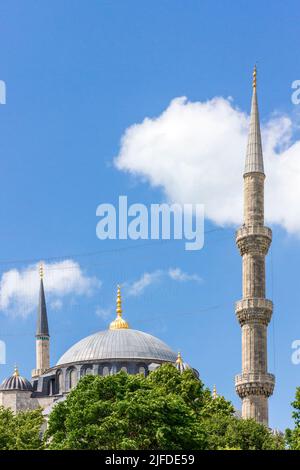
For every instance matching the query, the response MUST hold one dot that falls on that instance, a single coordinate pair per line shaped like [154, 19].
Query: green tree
[127, 412]
[247, 434]
[6, 429]
[229, 432]
[293, 436]
[164, 411]
[21, 431]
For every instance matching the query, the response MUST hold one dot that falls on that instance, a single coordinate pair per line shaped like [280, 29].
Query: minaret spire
[42, 321]
[254, 156]
[254, 385]
[42, 331]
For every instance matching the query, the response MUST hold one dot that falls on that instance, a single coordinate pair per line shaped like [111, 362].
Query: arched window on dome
[105, 371]
[86, 371]
[123, 369]
[72, 378]
[142, 370]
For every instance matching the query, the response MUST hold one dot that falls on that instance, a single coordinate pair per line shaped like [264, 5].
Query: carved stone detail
[253, 239]
[254, 311]
[254, 384]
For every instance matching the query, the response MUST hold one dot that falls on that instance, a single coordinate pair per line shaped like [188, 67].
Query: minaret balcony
[254, 310]
[254, 383]
[253, 239]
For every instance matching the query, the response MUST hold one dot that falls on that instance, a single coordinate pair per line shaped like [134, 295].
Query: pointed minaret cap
[119, 323]
[254, 156]
[214, 393]
[42, 321]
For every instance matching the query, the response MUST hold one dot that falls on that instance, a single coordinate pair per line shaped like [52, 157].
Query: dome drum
[66, 377]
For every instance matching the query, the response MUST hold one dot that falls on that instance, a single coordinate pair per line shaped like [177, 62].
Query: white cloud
[104, 313]
[178, 275]
[19, 288]
[148, 279]
[56, 304]
[195, 152]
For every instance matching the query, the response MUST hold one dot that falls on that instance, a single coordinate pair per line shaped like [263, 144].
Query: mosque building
[121, 348]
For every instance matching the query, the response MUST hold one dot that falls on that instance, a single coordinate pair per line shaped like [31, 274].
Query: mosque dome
[16, 382]
[119, 344]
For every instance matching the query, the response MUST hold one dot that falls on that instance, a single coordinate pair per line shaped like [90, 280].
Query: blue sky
[77, 76]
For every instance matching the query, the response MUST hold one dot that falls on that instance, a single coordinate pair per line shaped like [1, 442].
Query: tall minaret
[42, 333]
[254, 385]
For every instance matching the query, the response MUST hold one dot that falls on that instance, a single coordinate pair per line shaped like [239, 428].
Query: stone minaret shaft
[254, 385]
[42, 333]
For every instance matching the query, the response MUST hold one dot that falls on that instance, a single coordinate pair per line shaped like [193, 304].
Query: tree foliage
[167, 410]
[21, 431]
[293, 436]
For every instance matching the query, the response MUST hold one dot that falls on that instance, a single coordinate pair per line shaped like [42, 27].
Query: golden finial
[119, 302]
[214, 393]
[119, 322]
[41, 271]
[254, 76]
[16, 371]
[179, 358]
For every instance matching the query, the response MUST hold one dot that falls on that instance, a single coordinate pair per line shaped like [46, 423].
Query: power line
[149, 318]
[95, 253]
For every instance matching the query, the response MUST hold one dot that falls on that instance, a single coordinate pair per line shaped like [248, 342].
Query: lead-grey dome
[16, 382]
[118, 344]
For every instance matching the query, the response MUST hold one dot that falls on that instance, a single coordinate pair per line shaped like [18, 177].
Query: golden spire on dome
[254, 76]
[41, 271]
[119, 322]
[179, 358]
[214, 393]
[16, 371]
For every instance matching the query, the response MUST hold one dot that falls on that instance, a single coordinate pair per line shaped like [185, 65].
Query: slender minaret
[254, 385]
[42, 333]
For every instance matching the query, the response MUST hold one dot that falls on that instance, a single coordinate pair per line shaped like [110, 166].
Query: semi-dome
[16, 382]
[119, 344]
